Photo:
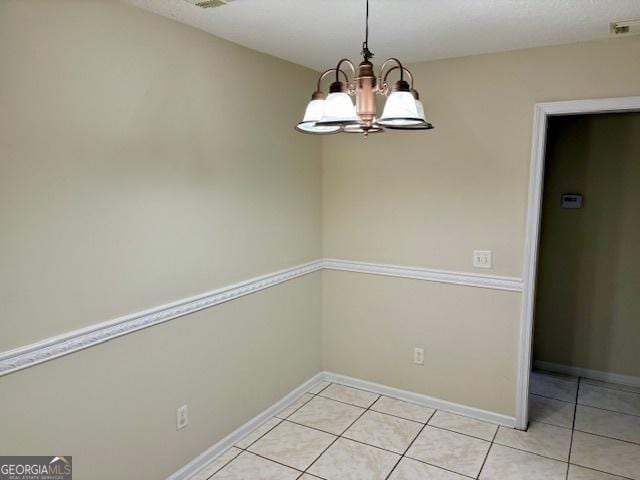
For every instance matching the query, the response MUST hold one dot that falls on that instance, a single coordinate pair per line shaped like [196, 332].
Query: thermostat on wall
[571, 200]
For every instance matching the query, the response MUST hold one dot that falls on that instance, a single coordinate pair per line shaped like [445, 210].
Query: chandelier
[336, 113]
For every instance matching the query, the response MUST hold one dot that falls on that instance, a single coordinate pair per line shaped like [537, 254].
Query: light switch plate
[482, 258]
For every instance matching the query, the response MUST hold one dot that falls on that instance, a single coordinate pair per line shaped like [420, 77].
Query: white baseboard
[234, 437]
[425, 400]
[610, 377]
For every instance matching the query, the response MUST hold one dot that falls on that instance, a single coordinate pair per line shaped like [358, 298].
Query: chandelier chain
[366, 53]
[366, 38]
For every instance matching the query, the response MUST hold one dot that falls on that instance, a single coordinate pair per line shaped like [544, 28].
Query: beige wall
[142, 161]
[374, 339]
[429, 199]
[588, 293]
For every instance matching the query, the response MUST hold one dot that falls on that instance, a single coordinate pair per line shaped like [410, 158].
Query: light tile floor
[579, 430]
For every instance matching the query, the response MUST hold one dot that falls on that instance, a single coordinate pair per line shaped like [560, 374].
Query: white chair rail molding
[73, 341]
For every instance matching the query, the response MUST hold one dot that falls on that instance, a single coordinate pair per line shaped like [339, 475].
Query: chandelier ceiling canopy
[336, 113]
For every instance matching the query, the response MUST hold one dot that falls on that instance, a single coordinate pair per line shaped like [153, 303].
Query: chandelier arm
[408, 72]
[348, 62]
[386, 62]
[324, 74]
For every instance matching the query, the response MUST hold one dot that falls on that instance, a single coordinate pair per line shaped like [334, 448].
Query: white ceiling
[317, 33]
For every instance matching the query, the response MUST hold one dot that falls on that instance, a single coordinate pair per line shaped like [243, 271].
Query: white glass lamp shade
[312, 114]
[402, 109]
[314, 110]
[338, 110]
[421, 114]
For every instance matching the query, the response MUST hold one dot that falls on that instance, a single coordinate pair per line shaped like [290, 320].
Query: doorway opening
[581, 250]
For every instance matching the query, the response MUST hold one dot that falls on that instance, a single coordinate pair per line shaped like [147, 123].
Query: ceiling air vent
[625, 27]
[208, 3]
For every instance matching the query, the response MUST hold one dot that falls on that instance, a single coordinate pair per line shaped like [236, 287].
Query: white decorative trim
[618, 378]
[54, 347]
[591, 105]
[417, 273]
[423, 400]
[534, 207]
[191, 468]
[234, 437]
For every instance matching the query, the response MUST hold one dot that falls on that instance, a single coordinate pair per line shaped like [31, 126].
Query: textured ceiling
[317, 33]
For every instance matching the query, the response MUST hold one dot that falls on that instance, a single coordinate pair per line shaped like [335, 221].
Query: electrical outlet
[182, 417]
[482, 258]
[418, 356]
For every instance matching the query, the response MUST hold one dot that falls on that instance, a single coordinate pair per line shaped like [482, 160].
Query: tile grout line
[438, 467]
[568, 428]
[369, 445]
[318, 394]
[295, 409]
[246, 449]
[424, 425]
[402, 418]
[369, 408]
[257, 455]
[608, 437]
[552, 424]
[274, 461]
[302, 472]
[225, 464]
[488, 451]
[311, 428]
[398, 416]
[314, 395]
[343, 402]
[615, 387]
[411, 443]
[251, 444]
[282, 419]
[306, 470]
[402, 455]
[615, 475]
[609, 410]
[573, 429]
[529, 451]
[584, 405]
[352, 388]
[466, 434]
[552, 398]
[414, 421]
[584, 382]
[418, 405]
